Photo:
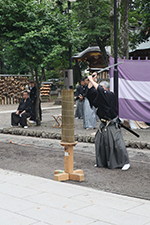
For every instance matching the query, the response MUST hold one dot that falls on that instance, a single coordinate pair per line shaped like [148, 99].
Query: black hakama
[24, 105]
[15, 119]
[109, 144]
[33, 97]
[110, 147]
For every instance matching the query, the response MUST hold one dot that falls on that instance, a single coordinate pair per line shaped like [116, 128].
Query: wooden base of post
[68, 173]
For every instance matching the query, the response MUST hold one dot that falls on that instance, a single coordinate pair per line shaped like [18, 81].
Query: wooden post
[11, 100]
[68, 116]
[68, 141]
[5, 100]
[68, 158]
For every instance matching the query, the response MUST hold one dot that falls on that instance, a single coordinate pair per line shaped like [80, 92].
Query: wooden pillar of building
[68, 141]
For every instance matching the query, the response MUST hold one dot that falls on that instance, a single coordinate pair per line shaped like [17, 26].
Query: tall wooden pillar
[68, 141]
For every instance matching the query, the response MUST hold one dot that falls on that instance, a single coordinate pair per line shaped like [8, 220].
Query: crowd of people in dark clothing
[26, 108]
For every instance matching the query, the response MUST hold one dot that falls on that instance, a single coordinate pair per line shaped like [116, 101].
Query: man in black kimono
[23, 111]
[33, 99]
[79, 98]
[109, 144]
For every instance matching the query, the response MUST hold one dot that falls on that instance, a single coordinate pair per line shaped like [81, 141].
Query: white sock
[126, 167]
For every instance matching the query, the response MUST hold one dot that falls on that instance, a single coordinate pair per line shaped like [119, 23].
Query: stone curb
[79, 138]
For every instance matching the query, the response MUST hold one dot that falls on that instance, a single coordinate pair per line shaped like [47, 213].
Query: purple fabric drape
[134, 89]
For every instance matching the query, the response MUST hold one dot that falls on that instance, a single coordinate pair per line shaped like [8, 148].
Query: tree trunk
[1, 67]
[38, 122]
[111, 18]
[43, 74]
[123, 28]
[31, 69]
[102, 45]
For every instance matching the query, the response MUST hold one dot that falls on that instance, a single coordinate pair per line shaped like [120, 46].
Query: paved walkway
[30, 200]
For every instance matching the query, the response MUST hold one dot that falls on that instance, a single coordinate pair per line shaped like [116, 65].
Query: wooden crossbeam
[58, 121]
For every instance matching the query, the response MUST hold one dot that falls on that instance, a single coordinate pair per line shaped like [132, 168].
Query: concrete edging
[79, 138]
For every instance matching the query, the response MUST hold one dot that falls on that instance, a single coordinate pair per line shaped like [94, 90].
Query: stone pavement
[30, 200]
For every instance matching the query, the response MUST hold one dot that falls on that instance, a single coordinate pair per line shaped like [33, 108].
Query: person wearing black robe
[89, 115]
[33, 99]
[79, 98]
[23, 111]
[109, 144]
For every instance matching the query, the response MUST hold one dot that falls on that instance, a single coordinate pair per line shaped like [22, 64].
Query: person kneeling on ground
[23, 111]
[109, 144]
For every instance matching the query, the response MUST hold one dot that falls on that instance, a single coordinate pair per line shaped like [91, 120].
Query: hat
[85, 78]
[31, 82]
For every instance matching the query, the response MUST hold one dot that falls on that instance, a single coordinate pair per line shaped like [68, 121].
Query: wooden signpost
[68, 141]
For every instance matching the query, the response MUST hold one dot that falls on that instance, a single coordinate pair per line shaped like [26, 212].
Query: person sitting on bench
[23, 111]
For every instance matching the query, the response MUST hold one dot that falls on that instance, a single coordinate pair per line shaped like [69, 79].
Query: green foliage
[139, 17]
[55, 73]
[93, 17]
[37, 34]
